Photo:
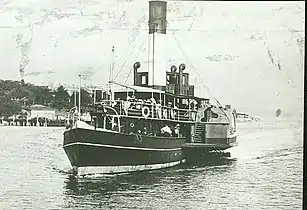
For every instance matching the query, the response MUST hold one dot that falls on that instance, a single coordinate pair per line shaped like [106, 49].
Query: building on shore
[40, 111]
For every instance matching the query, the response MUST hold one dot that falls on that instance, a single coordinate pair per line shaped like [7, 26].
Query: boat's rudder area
[213, 133]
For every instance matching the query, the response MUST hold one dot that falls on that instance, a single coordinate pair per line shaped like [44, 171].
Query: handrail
[154, 111]
[126, 86]
[143, 103]
[214, 123]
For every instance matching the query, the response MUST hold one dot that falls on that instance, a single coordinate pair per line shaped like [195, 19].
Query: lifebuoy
[132, 125]
[145, 111]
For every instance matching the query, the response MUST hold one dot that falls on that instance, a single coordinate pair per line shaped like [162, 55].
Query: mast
[149, 53]
[153, 56]
[122, 85]
[94, 96]
[111, 86]
[79, 110]
[75, 95]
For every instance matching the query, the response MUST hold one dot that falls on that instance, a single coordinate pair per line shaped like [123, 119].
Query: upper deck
[174, 101]
[145, 109]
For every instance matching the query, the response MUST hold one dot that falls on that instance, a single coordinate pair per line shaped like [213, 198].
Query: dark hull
[200, 152]
[118, 152]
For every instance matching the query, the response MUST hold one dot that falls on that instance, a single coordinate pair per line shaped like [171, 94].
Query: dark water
[265, 172]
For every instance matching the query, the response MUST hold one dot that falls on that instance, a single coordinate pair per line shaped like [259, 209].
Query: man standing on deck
[166, 131]
[177, 128]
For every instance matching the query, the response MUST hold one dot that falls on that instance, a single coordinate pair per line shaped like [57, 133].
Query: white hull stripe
[120, 147]
[96, 170]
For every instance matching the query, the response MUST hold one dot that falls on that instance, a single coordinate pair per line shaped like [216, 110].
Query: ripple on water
[265, 171]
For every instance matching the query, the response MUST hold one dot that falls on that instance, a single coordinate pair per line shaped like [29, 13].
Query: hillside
[16, 96]
[250, 54]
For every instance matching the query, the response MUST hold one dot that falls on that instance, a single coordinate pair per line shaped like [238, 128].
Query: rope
[135, 41]
[125, 61]
[200, 78]
[146, 37]
[194, 70]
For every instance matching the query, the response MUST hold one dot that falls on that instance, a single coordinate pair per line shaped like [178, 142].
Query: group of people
[165, 131]
[137, 103]
[168, 132]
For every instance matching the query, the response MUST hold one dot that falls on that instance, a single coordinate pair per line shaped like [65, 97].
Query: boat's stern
[223, 133]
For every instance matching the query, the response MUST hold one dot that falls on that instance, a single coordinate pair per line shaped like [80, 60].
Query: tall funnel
[157, 29]
[157, 17]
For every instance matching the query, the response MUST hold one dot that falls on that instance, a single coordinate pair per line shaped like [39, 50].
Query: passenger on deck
[139, 104]
[148, 101]
[126, 106]
[145, 131]
[177, 128]
[114, 127]
[153, 101]
[158, 110]
[132, 101]
[133, 98]
[166, 131]
[113, 104]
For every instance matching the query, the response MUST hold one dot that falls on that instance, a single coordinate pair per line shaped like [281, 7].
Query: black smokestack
[181, 68]
[136, 65]
[157, 17]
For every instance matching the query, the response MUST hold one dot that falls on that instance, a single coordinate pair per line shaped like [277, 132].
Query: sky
[249, 54]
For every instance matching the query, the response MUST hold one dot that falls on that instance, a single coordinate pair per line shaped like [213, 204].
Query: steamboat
[148, 126]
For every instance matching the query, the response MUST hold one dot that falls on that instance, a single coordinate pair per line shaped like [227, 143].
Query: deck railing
[150, 111]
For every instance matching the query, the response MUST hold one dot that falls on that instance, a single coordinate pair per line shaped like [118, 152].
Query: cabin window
[143, 80]
[183, 80]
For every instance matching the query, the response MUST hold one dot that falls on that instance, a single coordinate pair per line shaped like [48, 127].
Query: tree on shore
[61, 99]
[15, 96]
[86, 98]
[9, 107]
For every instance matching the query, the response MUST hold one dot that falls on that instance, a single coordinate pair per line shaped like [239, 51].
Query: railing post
[118, 121]
[152, 111]
[104, 122]
[120, 107]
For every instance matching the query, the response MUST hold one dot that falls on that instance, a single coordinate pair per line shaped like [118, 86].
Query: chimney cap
[136, 65]
[182, 67]
[173, 68]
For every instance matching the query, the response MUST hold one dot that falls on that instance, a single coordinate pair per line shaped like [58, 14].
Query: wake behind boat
[146, 126]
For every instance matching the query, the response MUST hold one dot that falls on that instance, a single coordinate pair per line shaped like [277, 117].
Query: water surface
[265, 172]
